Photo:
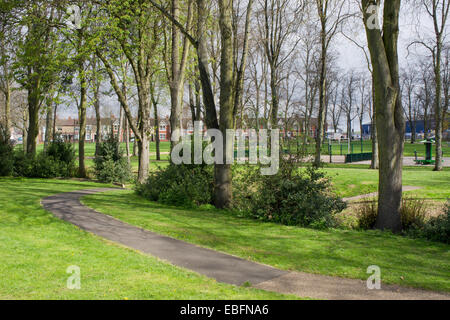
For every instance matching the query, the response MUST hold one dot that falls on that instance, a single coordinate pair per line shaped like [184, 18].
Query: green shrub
[412, 212]
[23, 164]
[181, 185]
[366, 214]
[6, 154]
[438, 228]
[109, 163]
[291, 197]
[47, 167]
[58, 160]
[435, 229]
[61, 152]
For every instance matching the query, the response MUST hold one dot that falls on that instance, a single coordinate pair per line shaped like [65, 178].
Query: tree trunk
[120, 130]
[82, 132]
[176, 81]
[374, 163]
[239, 73]
[322, 82]
[33, 121]
[389, 114]
[274, 92]
[98, 117]
[157, 138]
[223, 185]
[322, 110]
[144, 158]
[7, 111]
[203, 60]
[55, 134]
[48, 127]
[198, 103]
[127, 140]
[349, 133]
[25, 131]
[82, 108]
[176, 111]
[135, 146]
[439, 116]
[144, 130]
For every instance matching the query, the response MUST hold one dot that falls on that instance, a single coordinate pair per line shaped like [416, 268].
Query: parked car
[334, 136]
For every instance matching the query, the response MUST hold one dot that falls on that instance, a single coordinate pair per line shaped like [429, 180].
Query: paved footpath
[223, 267]
[375, 194]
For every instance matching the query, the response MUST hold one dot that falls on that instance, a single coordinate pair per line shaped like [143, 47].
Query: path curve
[223, 267]
[374, 194]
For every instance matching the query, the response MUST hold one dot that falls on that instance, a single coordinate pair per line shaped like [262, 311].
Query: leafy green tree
[6, 58]
[81, 35]
[230, 80]
[134, 29]
[41, 58]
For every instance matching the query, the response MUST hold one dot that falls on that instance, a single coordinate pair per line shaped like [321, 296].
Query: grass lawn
[342, 253]
[336, 148]
[89, 148]
[355, 180]
[36, 249]
[90, 152]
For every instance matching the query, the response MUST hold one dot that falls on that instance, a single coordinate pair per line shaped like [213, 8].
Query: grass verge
[36, 249]
[353, 181]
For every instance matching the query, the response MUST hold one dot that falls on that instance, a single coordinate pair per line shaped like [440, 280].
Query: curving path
[375, 194]
[220, 266]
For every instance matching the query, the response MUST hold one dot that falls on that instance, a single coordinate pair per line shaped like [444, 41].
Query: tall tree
[335, 107]
[41, 59]
[81, 34]
[155, 97]
[96, 80]
[408, 89]
[308, 70]
[136, 28]
[176, 68]
[364, 102]
[280, 19]
[6, 60]
[425, 95]
[348, 104]
[331, 15]
[438, 11]
[82, 102]
[228, 81]
[373, 130]
[383, 46]
[258, 74]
